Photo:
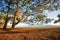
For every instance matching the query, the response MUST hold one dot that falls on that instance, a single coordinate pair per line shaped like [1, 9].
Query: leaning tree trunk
[14, 21]
[6, 21]
[14, 18]
[16, 14]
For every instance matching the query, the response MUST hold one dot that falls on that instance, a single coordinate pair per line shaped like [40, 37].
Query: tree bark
[16, 14]
[6, 21]
[14, 21]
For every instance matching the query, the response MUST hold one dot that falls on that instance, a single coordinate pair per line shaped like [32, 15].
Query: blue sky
[50, 14]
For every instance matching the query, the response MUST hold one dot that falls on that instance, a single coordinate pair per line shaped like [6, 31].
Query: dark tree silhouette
[6, 20]
[58, 19]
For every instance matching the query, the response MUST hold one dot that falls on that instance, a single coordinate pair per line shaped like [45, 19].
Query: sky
[50, 14]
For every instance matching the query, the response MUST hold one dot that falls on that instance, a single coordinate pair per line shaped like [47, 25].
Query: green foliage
[1, 22]
[2, 16]
[41, 16]
[58, 15]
